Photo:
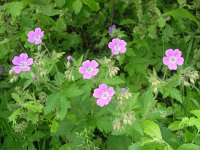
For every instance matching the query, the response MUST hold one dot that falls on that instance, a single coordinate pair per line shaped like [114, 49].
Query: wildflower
[89, 69]
[111, 29]
[123, 90]
[22, 63]
[173, 58]
[1, 69]
[36, 36]
[103, 94]
[117, 46]
[69, 58]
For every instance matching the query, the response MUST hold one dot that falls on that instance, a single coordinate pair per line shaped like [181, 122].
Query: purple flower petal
[94, 63]
[169, 52]
[177, 53]
[172, 66]
[23, 56]
[87, 76]
[17, 69]
[166, 60]
[30, 61]
[180, 61]
[16, 60]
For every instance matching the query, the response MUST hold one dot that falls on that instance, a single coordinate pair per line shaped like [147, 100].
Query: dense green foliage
[57, 111]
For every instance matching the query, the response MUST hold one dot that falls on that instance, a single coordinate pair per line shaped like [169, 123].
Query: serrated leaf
[16, 97]
[33, 106]
[188, 146]
[196, 113]
[64, 105]
[174, 126]
[182, 13]
[77, 5]
[54, 126]
[172, 92]
[71, 90]
[151, 129]
[104, 124]
[51, 102]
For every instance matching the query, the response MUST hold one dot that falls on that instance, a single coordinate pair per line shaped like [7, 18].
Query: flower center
[37, 38]
[23, 64]
[117, 48]
[89, 70]
[172, 60]
[105, 95]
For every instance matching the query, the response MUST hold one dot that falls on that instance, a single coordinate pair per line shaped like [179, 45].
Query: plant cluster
[98, 74]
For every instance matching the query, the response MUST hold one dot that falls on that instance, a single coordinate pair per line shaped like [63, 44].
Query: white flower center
[89, 70]
[23, 64]
[117, 48]
[172, 60]
[37, 38]
[105, 95]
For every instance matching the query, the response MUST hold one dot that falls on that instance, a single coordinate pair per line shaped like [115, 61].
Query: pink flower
[103, 94]
[173, 58]
[22, 63]
[88, 69]
[36, 37]
[117, 46]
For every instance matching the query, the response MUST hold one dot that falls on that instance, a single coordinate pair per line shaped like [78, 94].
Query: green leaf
[172, 92]
[161, 22]
[14, 8]
[51, 102]
[77, 5]
[6, 40]
[112, 81]
[188, 146]
[181, 2]
[92, 4]
[196, 113]
[60, 3]
[16, 97]
[182, 13]
[71, 90]
[33, 106]
[64, 105]
[14, 115]
[54, 126]
[174, 126]
[104, 124]
[151, 129]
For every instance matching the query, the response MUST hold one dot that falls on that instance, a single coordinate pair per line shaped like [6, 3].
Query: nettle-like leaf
[169, 89]
[147, 102]
[152, 129]
[57, 102]
[104, 124]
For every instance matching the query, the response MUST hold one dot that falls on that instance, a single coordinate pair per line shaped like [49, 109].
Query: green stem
[165, 73]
